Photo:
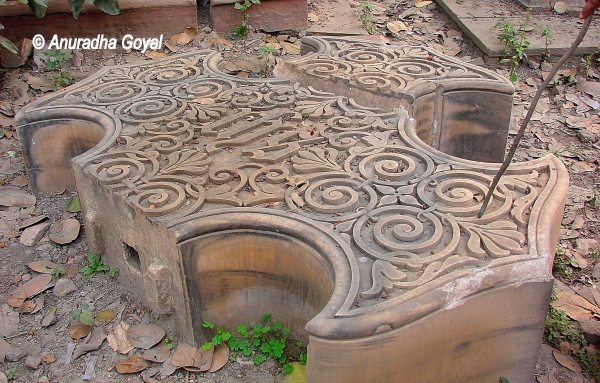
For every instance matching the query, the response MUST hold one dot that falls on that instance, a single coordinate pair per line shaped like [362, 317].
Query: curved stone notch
[216, 195]
[458, 106]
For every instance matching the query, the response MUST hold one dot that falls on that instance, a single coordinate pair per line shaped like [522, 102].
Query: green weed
[242, 30]
[11, 374]
[562, 266]
[95, 266]
[547, 35]
[261, 341]
[515, 44]
[365, 17]
[58, 62]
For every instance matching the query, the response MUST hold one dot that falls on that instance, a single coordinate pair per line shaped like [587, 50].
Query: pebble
[16, 354]
[33, 362]
[25, 277]
[3, 378]
[63, 287]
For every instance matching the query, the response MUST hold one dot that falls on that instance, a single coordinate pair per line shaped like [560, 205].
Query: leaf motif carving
[316, 160]
[496, 239]
[188, 162]
[384, 275]
[205, 113]
[310, 108]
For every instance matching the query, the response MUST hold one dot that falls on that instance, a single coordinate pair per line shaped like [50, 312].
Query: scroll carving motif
[193, 139]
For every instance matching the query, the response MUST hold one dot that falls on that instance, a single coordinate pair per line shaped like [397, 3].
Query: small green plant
[57, 271]
[261, 341]
[515, 43]
[11, 374]
[547, 35]
[242, 30]
[558, 328]
[267, 59]
[588, 61]
[114, 271]
[562, 266]
[83, 314]
[504, 380]
[58, 62]
[365, 17]
[95, 265]
[169, 342]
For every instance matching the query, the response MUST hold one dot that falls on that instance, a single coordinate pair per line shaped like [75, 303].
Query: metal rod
[536, 98]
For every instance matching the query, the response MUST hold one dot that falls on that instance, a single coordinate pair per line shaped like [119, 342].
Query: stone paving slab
[336, 17]
[478, 21]
[221, 198]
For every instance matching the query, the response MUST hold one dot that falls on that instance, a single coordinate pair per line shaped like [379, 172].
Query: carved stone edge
[313, 45]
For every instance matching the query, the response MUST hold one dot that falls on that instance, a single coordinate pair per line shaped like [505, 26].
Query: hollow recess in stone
[293, 197]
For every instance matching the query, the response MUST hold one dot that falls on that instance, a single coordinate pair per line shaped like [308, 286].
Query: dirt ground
[566, 123]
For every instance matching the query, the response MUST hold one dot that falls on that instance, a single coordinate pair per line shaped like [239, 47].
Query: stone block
[331, 197]
[268, 16]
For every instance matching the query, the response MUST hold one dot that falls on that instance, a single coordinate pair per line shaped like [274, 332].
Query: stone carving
[190, 140]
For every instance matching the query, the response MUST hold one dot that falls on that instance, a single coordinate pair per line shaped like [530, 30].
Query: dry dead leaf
[157, 354]
[181, 38]
[289, 48]
[220, 357]
[64, 231]
[575, 306]
[48, 358]
[145, 336]
[155, 55]
[79, 330]
[131, 365]
[205, 361]
[43, 267]
[117, 339]
[566, 361]
[396, 26]
[20, 181]
[91, 343]
[12, 196]
[422, 3]
[29, 289]
[32, 306]
[106, 315]
[167, 368]
[32, 221]
[186, 356]
[582, 167]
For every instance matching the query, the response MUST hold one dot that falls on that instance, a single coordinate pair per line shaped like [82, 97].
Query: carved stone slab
[223, 198]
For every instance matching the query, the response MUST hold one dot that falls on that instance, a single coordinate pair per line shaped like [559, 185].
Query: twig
[536, 98]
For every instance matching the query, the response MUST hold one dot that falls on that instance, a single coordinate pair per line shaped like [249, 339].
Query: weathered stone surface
[32, 234]
[264, 195]
[64, 286]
